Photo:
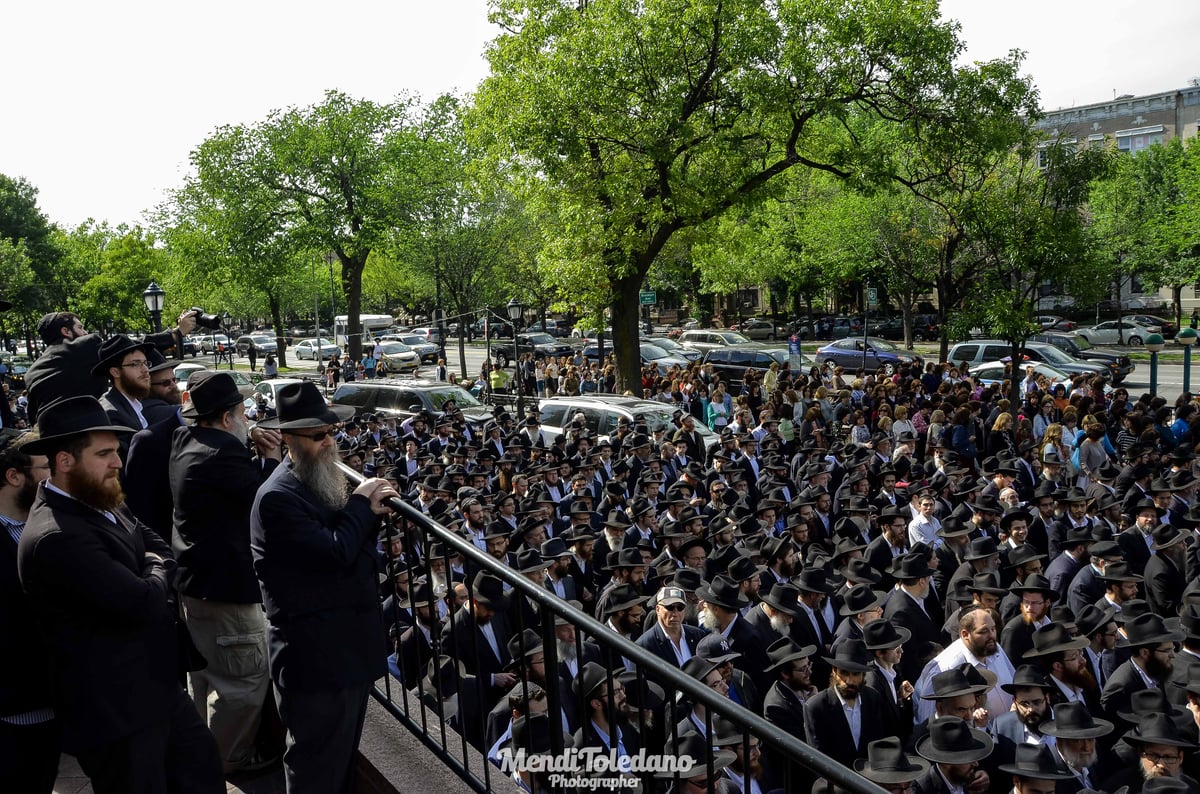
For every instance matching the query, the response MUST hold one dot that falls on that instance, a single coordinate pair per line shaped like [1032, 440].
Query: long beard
[27, 494]
[567, 651]
[708, 621]
[138, 389]
[102, 494]
[323, 477]
[1078, 760]
[1081, 678]
[780, 625]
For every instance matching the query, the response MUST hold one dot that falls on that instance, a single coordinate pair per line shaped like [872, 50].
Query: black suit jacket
[745, 639]
[213, 484]
[1133, 546]
[463, 639]
[147, 479]
[120, 410]
[318, 573]
[414, 653]
[102, 607]
[655, 640]
[24, 658]
[828, 731]
[903, 611]
[1164, 586]
[898, 715]
[1118, 690]
[784, 710]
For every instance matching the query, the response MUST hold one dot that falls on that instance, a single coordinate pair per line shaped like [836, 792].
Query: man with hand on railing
[314, 554]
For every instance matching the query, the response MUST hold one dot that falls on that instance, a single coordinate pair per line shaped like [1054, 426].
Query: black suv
[403, 397]
[539, 344]
[732, 363]
[925, 327]
[1077, 347]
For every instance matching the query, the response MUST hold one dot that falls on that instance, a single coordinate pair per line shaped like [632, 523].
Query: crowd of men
[885, 607]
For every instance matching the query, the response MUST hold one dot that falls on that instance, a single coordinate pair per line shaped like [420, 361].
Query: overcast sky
[105, 100]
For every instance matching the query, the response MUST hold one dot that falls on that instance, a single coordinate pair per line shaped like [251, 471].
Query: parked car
[261, 343]
[403, 397]
[209, 342]
[650, 353]
[704, 340]
[674, 348]
[270, 388]
[1050, 303]
[1116, 332]
[17, 367]
[429, 333]
[732, 363]
[880, 355]
[756, 328]
[397, 357]
[997, 371]
[1078, 347]
[496, 329]
[427, 351]
[1169, 328]
[315, 349]
[1052, 322]
[924, 328]
[552, 327]
[602, 411]
[981, 351]
[837, 327]
[540, 345]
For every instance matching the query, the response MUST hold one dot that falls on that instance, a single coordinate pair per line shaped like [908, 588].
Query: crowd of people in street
[935, 588]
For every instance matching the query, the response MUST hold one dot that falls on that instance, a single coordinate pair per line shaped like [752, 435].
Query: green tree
[648, 118]
[23, 224]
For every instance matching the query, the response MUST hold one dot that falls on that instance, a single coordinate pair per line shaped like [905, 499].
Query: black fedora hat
[210, 393]
[1166, 535]
[1189, 621]
[1092, 619]
[1036, 583]
[952, 683]
[1054, 638]
[785, 650]
[851, 656]
[859, 571]
[1158, 729]
[782, 597]
[985, 582]
[1118, 571]
[1148, 629]
[813, 580]
[887, 763]
[622, 597]
[1074, 721]
[881, 634]
[67, 418]
[981, 549]
[526, 644]
[300, 405]
[1035, 761]
[1150, 700]
[860, 598]
[696, 749]
[952, 741]
[1027, 676]
[913, 565]
[724, 592]
[590, 678]
[113, 349]
[531, 734]
[487, 589]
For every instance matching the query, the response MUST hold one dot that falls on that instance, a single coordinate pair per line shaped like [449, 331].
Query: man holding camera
[65, 368]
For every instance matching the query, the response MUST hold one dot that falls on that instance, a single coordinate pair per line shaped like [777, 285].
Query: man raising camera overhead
[65, 368]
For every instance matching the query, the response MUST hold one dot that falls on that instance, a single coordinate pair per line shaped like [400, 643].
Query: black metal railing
[415, 703]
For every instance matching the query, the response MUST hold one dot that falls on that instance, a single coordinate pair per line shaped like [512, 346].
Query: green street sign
[872, 297]
[647, 298]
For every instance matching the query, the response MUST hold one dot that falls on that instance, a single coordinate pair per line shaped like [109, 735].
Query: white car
[997, 371]
[1118, 332]
[398, 357]
[315, 349]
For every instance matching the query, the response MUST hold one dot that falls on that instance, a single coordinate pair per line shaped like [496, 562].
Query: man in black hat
[1062, 568]
[65, 368]
[886, 644]
[1164, 572]
[956, 750]
[1031, 707]
[906, 608]
[1034, 770]
[603, 695]
[1087, 587]
[1135, 542]
[1162, 750]
[126, 363]
[783, 704]
[1152, 651]
[1036, 599]
[97, 579]
[214, 481]
[313, 545]
[722, 603]
[844, 718]
[887, 766]
[1075, 732]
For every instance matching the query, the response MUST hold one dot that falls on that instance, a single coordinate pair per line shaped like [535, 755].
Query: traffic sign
[872, 297]
[647, 298]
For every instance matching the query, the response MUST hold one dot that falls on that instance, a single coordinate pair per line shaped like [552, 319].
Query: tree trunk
[277, 322]
[626, 334]
[352, 270]
[906, 307]
[462, 347]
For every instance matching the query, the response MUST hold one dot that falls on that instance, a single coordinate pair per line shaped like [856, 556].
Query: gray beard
[779, 623]
[567, 651]
[708, 621]
[323, 478]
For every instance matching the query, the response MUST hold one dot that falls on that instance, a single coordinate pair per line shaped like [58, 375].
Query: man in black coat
[478, 634]
[28, 735]
[146, 478]
[314, 555]
[65, 368]
[213, 484]
[906, 608]
[98, 580]
[1164, 577]
[843, 719]
[1152, 653]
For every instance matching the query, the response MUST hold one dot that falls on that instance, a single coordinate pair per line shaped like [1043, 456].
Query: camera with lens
[212, 321]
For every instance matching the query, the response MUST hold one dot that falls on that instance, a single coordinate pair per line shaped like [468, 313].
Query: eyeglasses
[1031, 704]
[1165, 760]
[1032, 602]
[318, 436]
[143, 364]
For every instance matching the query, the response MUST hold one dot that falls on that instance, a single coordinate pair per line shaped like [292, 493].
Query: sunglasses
[674, 607]
[318, 436]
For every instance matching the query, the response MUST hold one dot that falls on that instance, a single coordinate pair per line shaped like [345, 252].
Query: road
[1170, 373]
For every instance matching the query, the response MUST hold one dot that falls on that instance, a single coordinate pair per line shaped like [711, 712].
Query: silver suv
[602, 411]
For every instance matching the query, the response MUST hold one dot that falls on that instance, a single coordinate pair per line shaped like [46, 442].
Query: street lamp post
[225, 319]
[1187, 337]
[154, 297]
[515, 311]
[1154, 343]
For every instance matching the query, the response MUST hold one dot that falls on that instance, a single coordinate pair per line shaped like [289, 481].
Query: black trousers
[28, 757]
[323, 729]
[176, 755]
